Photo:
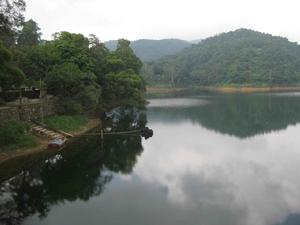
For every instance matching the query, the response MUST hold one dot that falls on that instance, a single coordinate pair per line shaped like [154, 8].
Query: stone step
[45, 132]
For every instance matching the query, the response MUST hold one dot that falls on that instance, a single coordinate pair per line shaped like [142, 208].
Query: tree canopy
[81, 71]
[78, 70]
[10, 75]
[126, 54]
[30, 34]
[241, 57]
[11, 17]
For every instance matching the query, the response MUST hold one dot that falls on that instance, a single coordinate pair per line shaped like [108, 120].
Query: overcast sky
[158, 19]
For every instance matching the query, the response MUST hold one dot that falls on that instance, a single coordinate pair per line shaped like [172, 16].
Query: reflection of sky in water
[175, 102]
[295, 94]
[190, 175]
[205, 169]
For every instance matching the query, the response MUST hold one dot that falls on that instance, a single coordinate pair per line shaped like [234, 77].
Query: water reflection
[79, 172]
[227, 179]
[239, 115]
[252, 181]
[199, 168]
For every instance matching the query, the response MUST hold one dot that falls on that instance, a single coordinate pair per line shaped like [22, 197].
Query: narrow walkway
[45, 132]
[130, 132]
[50, 133]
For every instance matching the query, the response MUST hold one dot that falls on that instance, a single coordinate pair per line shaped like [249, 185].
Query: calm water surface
[213, 160]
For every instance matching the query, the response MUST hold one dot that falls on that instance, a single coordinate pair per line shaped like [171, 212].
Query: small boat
[56, 143]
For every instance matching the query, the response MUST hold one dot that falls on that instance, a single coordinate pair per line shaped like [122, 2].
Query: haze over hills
[148, 50]
[240, 57]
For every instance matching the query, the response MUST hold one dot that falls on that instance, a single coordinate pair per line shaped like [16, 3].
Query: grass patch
[14, 135]
[26, 141]
[66, 123]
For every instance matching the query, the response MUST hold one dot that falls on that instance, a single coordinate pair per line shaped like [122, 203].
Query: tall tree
[36, 60]
[73, 48]
[99, 54]
[126, 54]
[30, 34]
[77, 89]
[125, 88]
[11, 18]
[10, 76]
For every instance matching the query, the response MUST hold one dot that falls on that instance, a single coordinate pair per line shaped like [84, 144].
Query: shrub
[70, 107]
[12, 132]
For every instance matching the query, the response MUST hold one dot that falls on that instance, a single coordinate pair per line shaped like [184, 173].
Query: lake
[213, 160]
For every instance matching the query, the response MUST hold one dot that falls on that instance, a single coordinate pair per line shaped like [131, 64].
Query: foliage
[239, 115]
[73, 67]
[70, 106]
[115, 64]
[30, 34]
[10, 75]
[75, 88]
[66, 123]
[99, 55]
[84, 68]
[64, 80]
[87, 167]
[14, 134]
[125, 88]
[126, 54]
[90, 97]
[73, 48]
[241, 57]
[148, 50]
[36, 61]
[11, 17]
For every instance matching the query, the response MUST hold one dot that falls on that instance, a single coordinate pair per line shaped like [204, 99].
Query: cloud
[189, 19]
[220, 171]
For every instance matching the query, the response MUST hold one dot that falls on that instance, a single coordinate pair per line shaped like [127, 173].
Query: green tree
[11, 18]
[99, 57]
[30, 34]
[73, 48]
[126, 54]
[36, 61]
[77, 89]
[10, 75]
[124, 88]
[115, 64]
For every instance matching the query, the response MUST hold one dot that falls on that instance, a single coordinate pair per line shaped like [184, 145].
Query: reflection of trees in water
[21, 197]
[122, 119]
[83, 170]
[239, 115]
[292, 219]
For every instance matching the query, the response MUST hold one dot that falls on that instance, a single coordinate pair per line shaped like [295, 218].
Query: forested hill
[148, 50]
[241, 57]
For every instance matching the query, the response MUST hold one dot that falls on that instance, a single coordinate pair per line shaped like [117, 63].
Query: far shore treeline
[238, 58]
[79, 70]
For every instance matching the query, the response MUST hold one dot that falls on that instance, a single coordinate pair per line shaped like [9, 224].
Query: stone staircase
[42, 131]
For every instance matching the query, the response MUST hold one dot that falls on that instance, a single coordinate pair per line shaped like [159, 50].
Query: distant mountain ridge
[148, 50]
[240, 57]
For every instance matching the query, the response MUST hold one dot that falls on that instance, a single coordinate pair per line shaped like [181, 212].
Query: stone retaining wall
[27, 111]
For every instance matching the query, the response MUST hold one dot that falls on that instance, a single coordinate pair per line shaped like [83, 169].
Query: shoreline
[222, 89]
[251, 89]
[163, 90]
[42, 145]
